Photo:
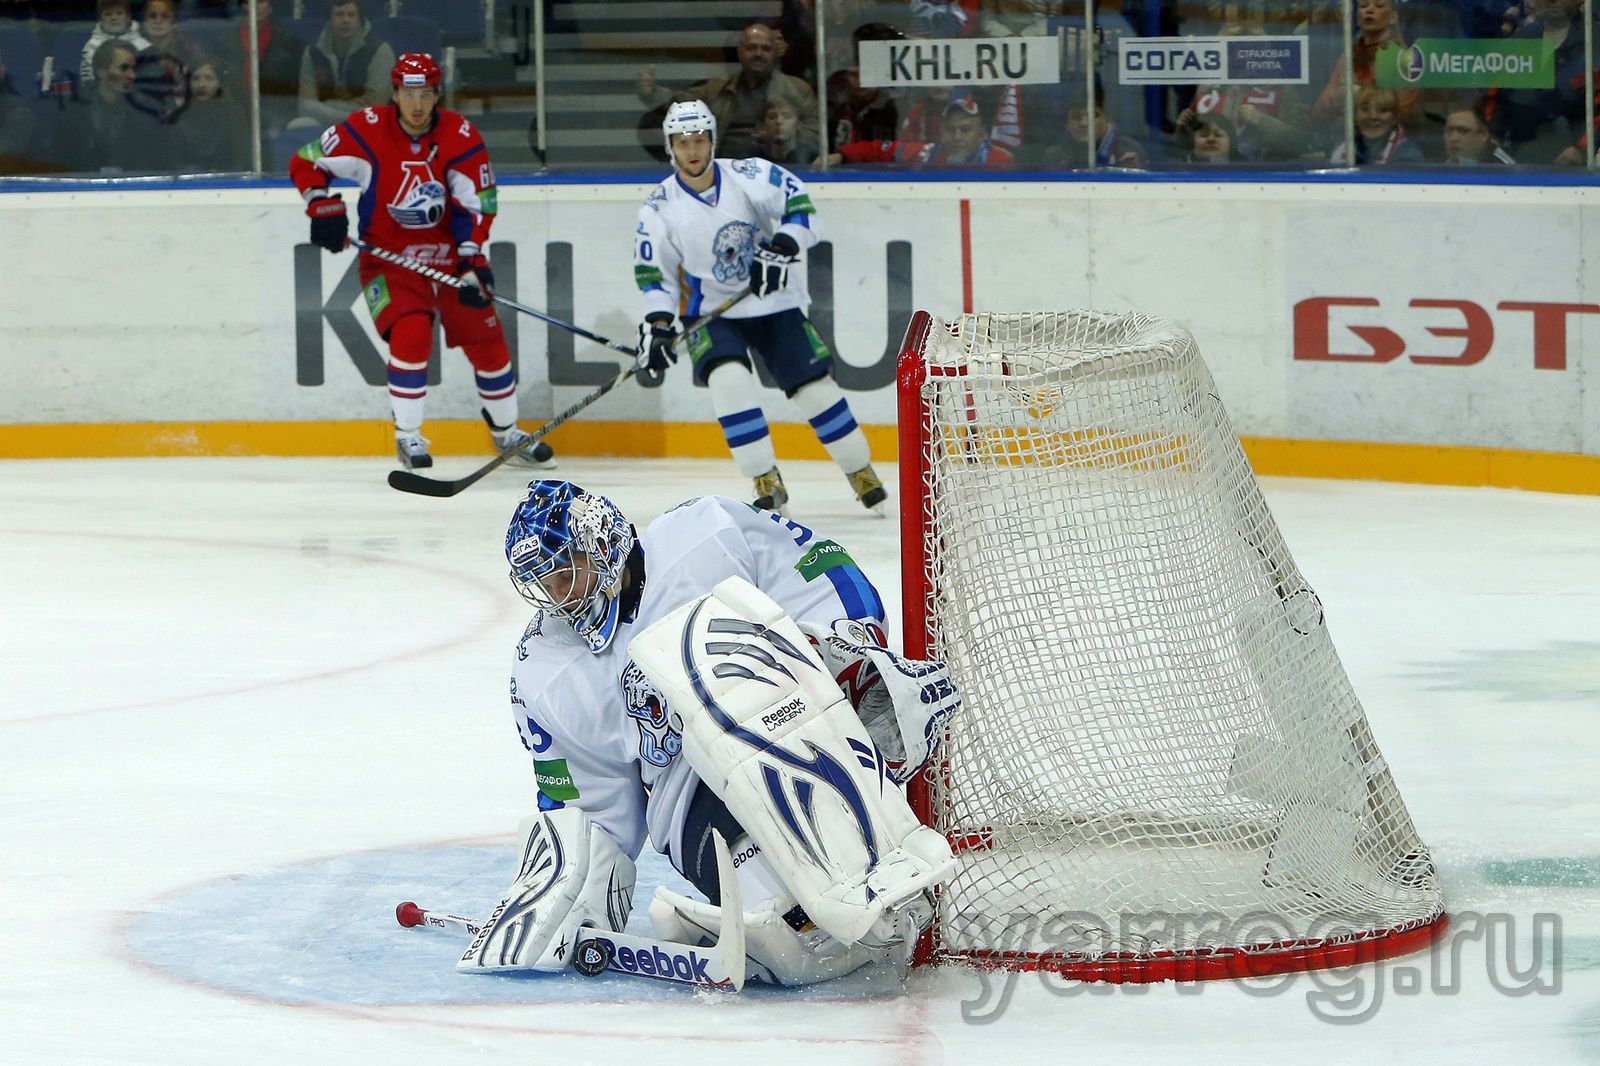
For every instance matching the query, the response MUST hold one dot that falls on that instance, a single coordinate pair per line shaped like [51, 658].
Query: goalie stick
[409, 481]
[597, 950]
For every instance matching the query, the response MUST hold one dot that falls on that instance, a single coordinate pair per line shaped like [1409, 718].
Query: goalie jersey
[691, 251]
[600, 735]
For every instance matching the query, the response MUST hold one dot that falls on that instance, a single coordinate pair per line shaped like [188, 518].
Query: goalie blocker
[768, 730]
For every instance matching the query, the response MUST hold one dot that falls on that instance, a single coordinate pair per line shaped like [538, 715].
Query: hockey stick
[444, 277]
[598, 950]
[409, 481]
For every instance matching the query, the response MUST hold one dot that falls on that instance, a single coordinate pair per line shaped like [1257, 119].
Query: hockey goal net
[1160, 769]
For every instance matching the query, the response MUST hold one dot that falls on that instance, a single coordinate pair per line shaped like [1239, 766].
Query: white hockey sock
[735, 400]
[502, 411]
[407, 412]
[822, 403]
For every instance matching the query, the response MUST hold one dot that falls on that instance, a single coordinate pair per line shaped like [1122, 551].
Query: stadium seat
[458, 20]
[68, 49]
[20, 52]
[286, 144]
[411, 35]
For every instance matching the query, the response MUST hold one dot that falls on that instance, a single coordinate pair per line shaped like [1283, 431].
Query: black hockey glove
[656, 337]
[330, 226]
[769, 267]
[477, 281]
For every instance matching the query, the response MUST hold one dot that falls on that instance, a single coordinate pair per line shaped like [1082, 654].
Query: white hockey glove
[572, 875]
[902, 702]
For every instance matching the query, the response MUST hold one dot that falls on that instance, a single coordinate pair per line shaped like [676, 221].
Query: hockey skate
[770, 493]
[513, 437]
[412, 450]
[869, 489]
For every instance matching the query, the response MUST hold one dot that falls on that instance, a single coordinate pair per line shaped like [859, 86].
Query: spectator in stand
[1380, 138]
[1022, 18]
[1270, 119]
[1538, 125]
[1377, 24]
[213, 132]
[105, 132]
[943, 18]
[278, 55]
[1111, 147]
[345, 69]
[964, 143]
[113, 22]
[17, 128]
[858, 113]
[1467, 140]
[739, 101]
[161, 73]
[1211, 139]
[779, 137]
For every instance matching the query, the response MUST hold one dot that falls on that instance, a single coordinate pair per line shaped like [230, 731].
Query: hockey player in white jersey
[833, 868]
[705, 234]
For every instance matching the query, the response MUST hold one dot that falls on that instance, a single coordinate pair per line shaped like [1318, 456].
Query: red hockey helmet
[415, 68]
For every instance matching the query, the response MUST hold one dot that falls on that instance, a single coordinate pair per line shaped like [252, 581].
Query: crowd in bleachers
[109, 86]
[135, 86]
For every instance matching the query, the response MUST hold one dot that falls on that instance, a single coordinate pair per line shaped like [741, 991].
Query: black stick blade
[406, 481]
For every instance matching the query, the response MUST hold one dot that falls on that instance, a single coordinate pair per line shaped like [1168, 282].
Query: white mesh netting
[1159, 751]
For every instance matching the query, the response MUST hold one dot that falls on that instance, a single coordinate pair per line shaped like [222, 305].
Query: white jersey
[600, 736]
[691, 251]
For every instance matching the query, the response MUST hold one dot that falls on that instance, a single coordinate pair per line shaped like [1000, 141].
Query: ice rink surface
[248, 705]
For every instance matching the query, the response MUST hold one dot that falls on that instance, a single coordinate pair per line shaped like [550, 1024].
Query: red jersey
[431, 197]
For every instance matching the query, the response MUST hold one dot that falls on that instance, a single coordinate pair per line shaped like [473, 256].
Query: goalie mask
[569, 552]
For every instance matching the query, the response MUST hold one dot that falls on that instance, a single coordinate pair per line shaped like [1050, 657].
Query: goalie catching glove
[572, 875]
[769, 267]
[902, 702]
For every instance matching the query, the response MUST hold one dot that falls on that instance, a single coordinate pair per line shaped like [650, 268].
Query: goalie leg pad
[572, 875]
[768, 730]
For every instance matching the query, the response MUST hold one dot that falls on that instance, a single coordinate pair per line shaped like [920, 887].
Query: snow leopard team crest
[733, 246]
[750, 168]
[659, 742]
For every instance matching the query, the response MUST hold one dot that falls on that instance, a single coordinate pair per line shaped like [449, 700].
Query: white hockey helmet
[689, 116]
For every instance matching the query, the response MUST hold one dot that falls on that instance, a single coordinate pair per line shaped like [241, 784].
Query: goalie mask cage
[1160, 770]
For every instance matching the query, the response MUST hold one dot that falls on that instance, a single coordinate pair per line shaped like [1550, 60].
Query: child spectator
[1467, 140]
[113, 22]
[1379, 136]
[965, 142]
[214, 133]
[1080, 123]
[346, 69]
[779, 137]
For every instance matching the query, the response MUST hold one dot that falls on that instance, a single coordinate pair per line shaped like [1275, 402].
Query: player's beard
[698, 173]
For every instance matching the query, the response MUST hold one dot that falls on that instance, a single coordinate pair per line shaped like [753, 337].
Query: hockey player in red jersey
[428, 193]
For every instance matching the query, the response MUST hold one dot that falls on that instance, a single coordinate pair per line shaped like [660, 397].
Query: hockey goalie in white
[684, 683]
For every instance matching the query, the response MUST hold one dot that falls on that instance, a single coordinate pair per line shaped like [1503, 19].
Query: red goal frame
[1255, 960]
